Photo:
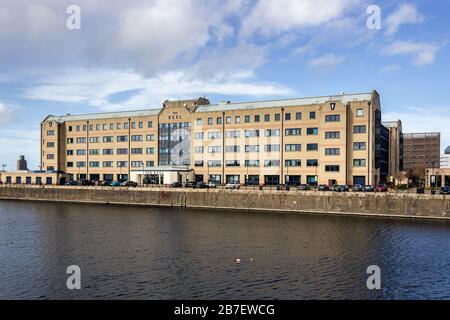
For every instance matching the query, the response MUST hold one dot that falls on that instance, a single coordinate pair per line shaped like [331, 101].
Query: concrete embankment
[391, 205]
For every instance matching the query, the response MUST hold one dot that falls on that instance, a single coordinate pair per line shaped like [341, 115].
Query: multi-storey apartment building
[316, 140]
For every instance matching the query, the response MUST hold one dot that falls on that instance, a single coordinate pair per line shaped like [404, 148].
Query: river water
[152, 253]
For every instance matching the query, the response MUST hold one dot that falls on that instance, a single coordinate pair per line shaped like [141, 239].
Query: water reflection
[135, 252]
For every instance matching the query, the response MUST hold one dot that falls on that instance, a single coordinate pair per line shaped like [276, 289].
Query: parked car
[334, 187]
[357, 188]
[381, 188]
[176, 185]
[212, 185]
[232, 185]
[420, 190]
[369, 188]
[72, 183]
[201, 185]
[85, 183]
[444, 190]
[304, 187]
[129, 184]
[342, 188]
[190, 184]
[114, 184]
[324, 187]
[105, 183]
[97, 183]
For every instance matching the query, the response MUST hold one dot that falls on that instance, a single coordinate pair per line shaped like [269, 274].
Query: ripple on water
[175, 254]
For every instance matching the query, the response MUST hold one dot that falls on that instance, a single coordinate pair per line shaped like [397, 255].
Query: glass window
[247, 119]
[267, 118]
[332, 168]
[312, 147]
[332, 151]
[293, 132]
[252, 148]
[298, 116]
[233, 149]
[359, 162]
[332, 118]
[272, 132]
[360, 112]
[332, 135]
[312, 115]
[312, 131]
[293, 163]
[136, 151]
[257, 118]
[359, 129]
[108, 151]
[287, 116]
[277, 117]
[233, 134]
[359, 146]
[215, 135]
[271, 163]
[272, 148]
[214, 149]
[292, 147]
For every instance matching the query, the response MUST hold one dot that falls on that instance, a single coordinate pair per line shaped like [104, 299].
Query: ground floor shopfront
[437, 177]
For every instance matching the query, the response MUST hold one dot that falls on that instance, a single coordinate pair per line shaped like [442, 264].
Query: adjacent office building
[421, 150]
[445, 159]
[395, 150]
[315, 140]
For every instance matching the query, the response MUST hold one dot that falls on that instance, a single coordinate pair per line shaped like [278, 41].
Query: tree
[416, 174]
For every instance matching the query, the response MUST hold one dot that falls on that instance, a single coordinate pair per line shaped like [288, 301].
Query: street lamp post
[143, 173]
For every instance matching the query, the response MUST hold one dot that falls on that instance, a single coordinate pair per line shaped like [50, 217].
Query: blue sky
[136, 55]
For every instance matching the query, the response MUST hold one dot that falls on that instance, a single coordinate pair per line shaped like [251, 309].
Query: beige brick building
[396, 173]
[324, 140]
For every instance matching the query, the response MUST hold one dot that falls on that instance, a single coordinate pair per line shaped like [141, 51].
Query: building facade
[395, 150]
[317, 140]
[421, 150]
[437, 177]
[26, 177]
[22, 163]
[445, 161]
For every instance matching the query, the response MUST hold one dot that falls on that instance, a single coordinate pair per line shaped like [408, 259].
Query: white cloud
[270, 18]
[6, 114]
[405, 14]
[390, 68]
[422, 53]
[325, 61]
[424, 119]
[95, 87]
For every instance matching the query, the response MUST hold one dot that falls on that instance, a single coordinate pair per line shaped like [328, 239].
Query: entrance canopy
[162, 175]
